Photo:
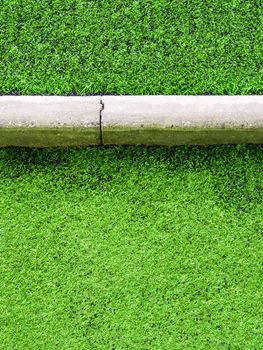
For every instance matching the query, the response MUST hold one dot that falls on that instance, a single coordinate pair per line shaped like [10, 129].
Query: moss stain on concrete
[66, 137]
[181, 136]
[47, 137]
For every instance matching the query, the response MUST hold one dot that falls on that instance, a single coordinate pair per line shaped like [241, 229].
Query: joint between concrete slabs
[100, 121]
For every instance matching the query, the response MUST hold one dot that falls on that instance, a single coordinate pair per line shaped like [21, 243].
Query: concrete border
[176, 120]
[62, 121]
[50, 121]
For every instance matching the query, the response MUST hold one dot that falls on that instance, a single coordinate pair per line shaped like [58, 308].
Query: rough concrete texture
[49, 120]
[171, 120]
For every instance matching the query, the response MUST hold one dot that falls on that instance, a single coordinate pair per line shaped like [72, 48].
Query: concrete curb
[49, 121]
[60, 121]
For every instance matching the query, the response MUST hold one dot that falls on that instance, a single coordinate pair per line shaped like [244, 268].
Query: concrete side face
[45, 121]
[49, 137]
[172, 120]
[179, 136]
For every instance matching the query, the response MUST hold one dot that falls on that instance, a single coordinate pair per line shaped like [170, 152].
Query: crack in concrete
[101, 110]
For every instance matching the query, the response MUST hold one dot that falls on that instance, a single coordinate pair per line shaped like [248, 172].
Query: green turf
[131, 47]
[131, 248]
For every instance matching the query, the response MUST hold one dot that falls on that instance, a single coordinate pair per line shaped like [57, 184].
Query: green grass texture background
[82, 47]
[131, 248]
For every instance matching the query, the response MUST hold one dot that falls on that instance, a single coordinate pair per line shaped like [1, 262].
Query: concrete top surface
[165, 111]
[49, 111]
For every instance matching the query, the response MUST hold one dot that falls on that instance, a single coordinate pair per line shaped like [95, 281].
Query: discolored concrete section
[177, 120]
[49, 137]
[49, 121]
[180, 136]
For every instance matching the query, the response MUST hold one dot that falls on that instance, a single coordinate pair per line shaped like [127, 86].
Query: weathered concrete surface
[172, 120]
[45, 121]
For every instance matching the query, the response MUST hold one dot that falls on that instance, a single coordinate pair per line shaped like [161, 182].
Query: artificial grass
[67, 47]
[131, 248]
